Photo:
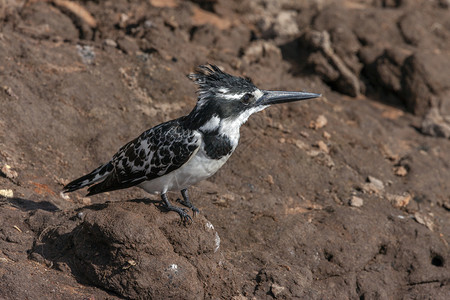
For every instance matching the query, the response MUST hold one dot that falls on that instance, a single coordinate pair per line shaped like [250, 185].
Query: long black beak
[276, 97]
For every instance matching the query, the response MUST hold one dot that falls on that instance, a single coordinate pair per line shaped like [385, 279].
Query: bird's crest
[212, 80]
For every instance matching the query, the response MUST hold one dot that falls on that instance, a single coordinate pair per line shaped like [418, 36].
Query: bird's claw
[182, 212]
[188, 204]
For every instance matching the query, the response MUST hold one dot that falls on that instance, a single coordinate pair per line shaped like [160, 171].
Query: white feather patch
[212, 124]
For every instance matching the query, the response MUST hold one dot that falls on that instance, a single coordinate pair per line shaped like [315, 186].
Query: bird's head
[222, 96]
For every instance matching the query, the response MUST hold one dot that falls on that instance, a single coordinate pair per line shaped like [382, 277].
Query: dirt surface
[343, 197]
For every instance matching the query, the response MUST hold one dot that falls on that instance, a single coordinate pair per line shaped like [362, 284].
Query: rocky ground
[344, 197]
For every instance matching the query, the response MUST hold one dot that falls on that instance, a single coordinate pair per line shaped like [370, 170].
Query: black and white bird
[176, 154]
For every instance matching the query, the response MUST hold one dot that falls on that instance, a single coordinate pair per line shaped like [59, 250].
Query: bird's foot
[189, 204]
[182, 212]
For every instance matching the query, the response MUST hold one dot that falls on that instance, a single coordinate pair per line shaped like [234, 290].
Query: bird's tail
[89, 179]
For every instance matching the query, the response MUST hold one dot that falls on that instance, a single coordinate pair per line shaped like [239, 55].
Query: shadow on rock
[28, 205]
[134, 250]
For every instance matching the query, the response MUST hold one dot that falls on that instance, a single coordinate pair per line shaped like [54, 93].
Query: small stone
[424, 220]
[300, 144]
[304, 134]
[86, 53]
[9, 173]
[326, 135]
[276, 289]
[64, 196]
[399, 200]
[356, 201]
[131, 262]
[313, 153]
[377, 183]
[7, 193]
[86, 201]
[282, 140]
[10, 92]
[320, 122]
[286, 24]
[323, 147]
[229, 197]
[269, 179]
[80, 215]
[400, 171]
[110, 43]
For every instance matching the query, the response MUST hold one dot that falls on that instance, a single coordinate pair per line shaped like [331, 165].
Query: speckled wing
[156, 152]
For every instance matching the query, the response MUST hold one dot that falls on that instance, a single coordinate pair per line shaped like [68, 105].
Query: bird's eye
[247, 99]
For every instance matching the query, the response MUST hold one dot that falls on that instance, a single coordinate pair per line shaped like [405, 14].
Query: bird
[177, 154]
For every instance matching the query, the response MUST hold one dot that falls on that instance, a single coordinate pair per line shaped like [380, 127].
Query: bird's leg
[186, 202]
[181, 211]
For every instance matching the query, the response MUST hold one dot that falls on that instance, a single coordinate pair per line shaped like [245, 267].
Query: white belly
[196, 169]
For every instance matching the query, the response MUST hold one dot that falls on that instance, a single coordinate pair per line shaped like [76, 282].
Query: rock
[128, 45]
[121, 250]
[7, 193]
[323, 147]
[423, 85]
[320, 122]
[330, 65]
[400, 171]
[304, 134]
[269, 179]
[86, 53]
[110, 43]
[412, 28]
[326, 135]
[423, 219]
[399, 200]
[387, 69]
[9, 173]
[300, 144]
[377, 183]
[435, 125]
[356, 201]
[261, 50]
[276, 289]
[373, 185]
[286, 24]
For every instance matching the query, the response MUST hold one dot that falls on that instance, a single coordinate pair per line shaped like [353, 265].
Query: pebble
[377, 183]
[326, 135]
[320, 122]
[269, 179]
[399, 200]
[323, 147]
[86, 53]
[400, 171]
[300, 144]
[304, 134]
[9, 173]
[424, 220]
[7, 193]
[110, 43]
[86, 201]
[276, 289]
[356, 201]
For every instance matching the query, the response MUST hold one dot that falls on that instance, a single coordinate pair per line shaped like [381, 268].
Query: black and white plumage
[179, 153]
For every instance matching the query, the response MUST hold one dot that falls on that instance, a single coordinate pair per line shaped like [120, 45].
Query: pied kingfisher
[177, 154]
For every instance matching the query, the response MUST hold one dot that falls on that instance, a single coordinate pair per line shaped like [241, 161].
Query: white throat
[230, 126]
